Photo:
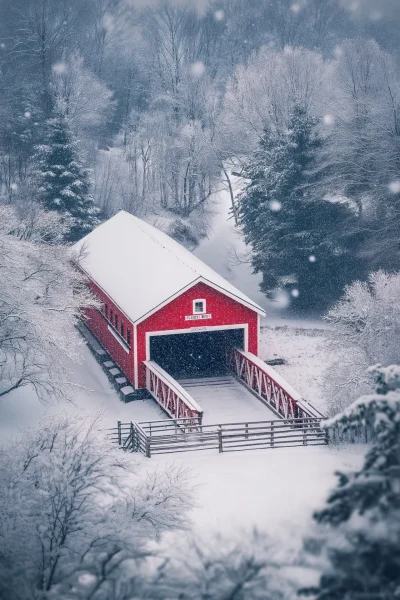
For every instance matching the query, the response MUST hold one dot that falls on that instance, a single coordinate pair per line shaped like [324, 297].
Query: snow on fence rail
[270, 387]
[183, 435]
[171, 396]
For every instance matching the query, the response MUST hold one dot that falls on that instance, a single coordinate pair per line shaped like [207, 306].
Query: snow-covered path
[225, 400]
[222, 243]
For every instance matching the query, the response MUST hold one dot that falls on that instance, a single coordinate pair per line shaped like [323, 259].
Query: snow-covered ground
[305, 354]
[275, 490]
[21, 408]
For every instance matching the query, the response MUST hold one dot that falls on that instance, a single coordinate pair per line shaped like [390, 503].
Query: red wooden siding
[99, 326]
[224, 311]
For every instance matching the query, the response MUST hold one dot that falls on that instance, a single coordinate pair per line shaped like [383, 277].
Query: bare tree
[41, 298]
[77, 515]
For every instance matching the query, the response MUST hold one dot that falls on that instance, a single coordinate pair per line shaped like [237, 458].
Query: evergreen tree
[360, 526]
[299, 242]
[64, 184]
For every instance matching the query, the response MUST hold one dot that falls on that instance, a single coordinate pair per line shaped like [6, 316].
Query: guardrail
[180, 435]
[171, 396]
[270, 387]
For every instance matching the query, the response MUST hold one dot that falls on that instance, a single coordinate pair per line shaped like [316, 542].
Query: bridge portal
[195, 354]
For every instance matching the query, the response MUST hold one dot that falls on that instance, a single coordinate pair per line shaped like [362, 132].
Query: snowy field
[275, 490]
[303, 348]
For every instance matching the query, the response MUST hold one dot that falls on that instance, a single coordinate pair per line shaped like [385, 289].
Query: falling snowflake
[375, 15]
[338, 52]
[281, 298]
[2, 45]
[312, 258]
[198, 69]
[295, 293]
[354, 6]
[86, 579]
[296, 7]
[394, 186]
[27, 114]
[219, 15]
[328, 119]
[108, 22]
[275, 206]
[59, 67]
[14, 186]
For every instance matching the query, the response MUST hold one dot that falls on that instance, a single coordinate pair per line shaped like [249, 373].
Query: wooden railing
[270, 387]
[179, 435]
[171, 396]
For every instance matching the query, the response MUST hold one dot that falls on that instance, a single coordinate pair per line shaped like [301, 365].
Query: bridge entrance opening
[194, 355]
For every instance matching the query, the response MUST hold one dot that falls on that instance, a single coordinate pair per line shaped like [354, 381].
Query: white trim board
[125, 346]
[135, 358]
[204, 329]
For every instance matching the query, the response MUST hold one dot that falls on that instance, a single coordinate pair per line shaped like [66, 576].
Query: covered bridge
[167, 318]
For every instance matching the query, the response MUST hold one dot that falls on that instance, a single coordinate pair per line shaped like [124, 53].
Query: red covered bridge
[168, 321]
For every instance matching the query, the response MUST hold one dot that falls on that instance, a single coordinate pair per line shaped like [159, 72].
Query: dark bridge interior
[193, 355]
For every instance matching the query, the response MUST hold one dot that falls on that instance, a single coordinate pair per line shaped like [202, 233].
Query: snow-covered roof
[141, 268]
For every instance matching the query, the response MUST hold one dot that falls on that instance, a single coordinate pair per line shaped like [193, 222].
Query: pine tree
[298, 241]
[64, 184]
[360, 526]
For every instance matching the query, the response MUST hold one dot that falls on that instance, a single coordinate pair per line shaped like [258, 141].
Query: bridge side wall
[107, 334]
[223, 310]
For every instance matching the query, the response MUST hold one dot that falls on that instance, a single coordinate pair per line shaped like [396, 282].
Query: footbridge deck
[225, 398]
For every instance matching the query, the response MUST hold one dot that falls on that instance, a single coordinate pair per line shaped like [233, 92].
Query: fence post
[119, 434]
[304, 436]
[133, 440]
[366, 433]
[246, 431]
[220, 448]
[327, 436]
[272, 434]
[148, 451]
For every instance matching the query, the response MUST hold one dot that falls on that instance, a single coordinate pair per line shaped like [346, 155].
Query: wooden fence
[183, 435]
[358, 435]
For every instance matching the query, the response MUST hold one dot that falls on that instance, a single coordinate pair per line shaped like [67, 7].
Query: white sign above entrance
[196, 317]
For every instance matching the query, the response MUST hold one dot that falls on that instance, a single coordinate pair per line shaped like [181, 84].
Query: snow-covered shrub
[77, 515]
[183, 233]
[358, 538]
[366, 330]
[42, 295]
[29, 221]
[219, 568]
